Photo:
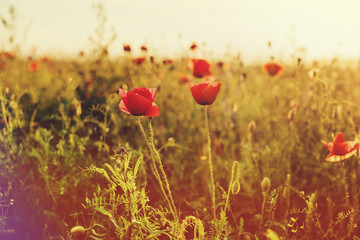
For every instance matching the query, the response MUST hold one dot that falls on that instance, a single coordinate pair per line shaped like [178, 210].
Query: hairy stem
[163, 174]
[210, 164]
[157, 174]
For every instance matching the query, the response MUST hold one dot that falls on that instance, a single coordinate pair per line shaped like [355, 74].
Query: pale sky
[325, 28]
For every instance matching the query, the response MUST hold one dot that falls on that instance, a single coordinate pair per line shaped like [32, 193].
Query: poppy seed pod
[265, 184]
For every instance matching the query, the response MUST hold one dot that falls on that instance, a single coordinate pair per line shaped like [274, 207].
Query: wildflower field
[189, 147]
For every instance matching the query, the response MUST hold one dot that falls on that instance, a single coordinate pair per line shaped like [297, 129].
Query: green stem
[347, 195]
[230, 186]
[164, 178]
[210, 164]
[266, 195]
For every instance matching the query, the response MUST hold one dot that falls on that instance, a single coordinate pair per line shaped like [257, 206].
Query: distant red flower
[127, 48]
[44, 59]
[167, 61]
[183, 78]
[139, 102]
[193, 46]
[340, 149]
[220, 64]
[10, 55]
[200, 67]
[81, 54]
[139, 60]
[33, 66]
[143, 48]
[205, 93]
[273, 69]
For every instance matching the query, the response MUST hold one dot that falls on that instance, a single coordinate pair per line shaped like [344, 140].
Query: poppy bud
[77, 231]
[265, 184]
[127, 48]
[252, 126]
[193, 46]
[286, 193]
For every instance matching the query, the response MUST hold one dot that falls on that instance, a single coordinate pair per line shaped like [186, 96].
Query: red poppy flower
[44, 59]
[340, 149]
[127, 48]
[139, 102]
[33, 66]
[143, 48]
[167, 61]
[10, 55]
[193, 46]
[205, 93]
[200, 67]
[273, 69]
[139, 60]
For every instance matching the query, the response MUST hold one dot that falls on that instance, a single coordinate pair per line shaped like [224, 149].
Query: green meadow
[73, 165]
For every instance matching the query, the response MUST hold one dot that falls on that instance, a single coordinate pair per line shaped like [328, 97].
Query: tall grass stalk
[156, 160]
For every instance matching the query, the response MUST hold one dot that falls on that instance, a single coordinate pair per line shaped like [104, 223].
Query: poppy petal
[329, 145]
[196, 91]
[153, 111]
[122, 93]
[211, 91]
[136, 104]
[201, 68]
[351, 146]
[334, 158]
[148, 93]
[123, 107]
[339, 138]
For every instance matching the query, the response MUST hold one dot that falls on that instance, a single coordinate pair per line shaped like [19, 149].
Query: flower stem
[157, 175]
[347, 195]
[234, 167]
[164, 178]
[210, 164]
[263, 206]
